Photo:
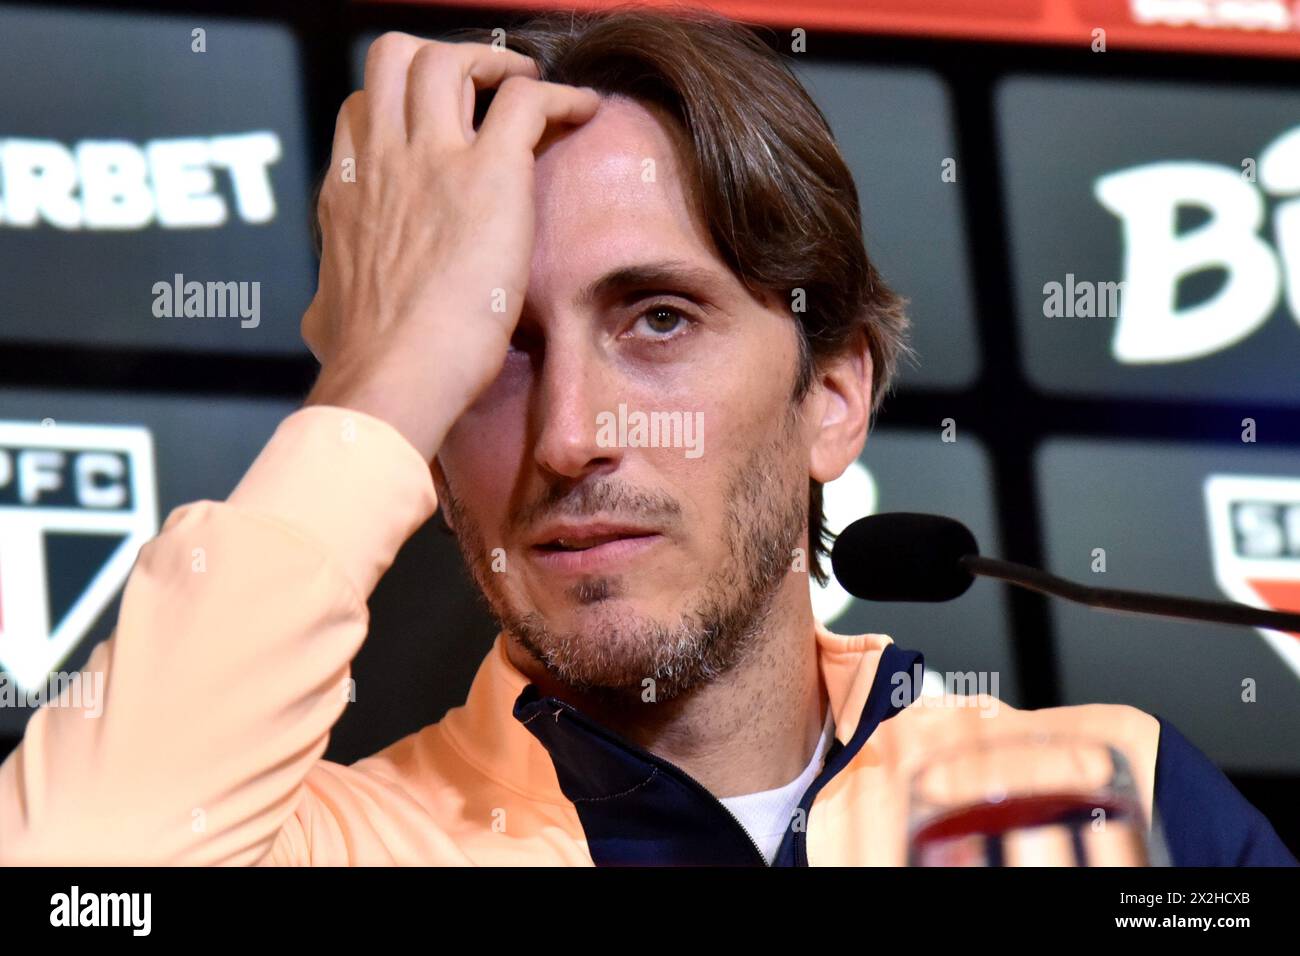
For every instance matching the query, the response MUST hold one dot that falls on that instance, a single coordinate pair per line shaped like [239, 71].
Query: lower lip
[602, 557]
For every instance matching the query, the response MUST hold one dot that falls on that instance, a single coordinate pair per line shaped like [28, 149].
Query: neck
[755, 728]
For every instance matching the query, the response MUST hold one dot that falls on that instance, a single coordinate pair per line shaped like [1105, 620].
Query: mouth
[593, 547]
[589, 542]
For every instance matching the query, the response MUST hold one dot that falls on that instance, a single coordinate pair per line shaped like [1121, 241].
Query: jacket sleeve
[229, 662]
[1206, 820]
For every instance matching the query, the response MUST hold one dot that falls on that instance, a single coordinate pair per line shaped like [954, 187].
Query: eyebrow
[669, 275]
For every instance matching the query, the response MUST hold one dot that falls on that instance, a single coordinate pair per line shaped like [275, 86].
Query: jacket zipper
[671, 769]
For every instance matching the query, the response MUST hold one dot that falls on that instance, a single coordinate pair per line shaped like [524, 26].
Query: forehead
[613, 193]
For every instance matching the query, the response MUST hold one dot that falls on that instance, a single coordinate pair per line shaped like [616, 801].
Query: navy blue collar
[641, 810]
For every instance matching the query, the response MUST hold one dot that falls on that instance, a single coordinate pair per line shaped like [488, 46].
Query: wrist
[421, 420]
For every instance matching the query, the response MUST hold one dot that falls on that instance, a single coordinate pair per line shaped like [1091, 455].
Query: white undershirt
[766, 815]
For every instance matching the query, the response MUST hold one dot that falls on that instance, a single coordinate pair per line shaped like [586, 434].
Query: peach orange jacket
[228, 668]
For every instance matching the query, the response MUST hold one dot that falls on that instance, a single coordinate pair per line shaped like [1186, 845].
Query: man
[648, 213]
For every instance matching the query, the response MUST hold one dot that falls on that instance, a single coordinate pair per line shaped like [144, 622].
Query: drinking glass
[1032, 800]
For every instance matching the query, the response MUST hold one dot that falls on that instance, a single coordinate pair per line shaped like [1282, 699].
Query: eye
[663, 322]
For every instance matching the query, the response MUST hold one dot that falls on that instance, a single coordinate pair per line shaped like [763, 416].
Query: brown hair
[774, 191]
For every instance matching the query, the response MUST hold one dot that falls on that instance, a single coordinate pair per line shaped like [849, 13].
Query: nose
[576, 387]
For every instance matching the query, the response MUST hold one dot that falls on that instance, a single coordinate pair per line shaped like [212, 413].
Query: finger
[387, 63]
[523, 108]
[349, 131]
[443, 80]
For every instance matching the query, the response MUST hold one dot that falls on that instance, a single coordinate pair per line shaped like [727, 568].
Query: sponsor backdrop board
[1184, 193]
[1261, 28]
[895, 128]
[118, 138]
[129, 157]
[1209, 522]
[69, 530]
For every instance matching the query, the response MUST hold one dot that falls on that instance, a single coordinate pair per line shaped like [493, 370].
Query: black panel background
[1009, 416]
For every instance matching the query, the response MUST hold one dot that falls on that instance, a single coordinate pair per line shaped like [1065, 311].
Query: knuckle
[433, 51]
[515, 89]
[353, 106]
[388, 42]
[354, 102]
[388, 45]
[517, 83]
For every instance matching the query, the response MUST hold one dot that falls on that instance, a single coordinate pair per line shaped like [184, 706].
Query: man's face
[621, 563]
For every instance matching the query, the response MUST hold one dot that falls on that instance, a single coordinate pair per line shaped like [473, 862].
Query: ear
[841, 408]
[440, 487]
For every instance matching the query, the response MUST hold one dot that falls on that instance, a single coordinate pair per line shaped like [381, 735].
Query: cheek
[741, 404]
[739, 418]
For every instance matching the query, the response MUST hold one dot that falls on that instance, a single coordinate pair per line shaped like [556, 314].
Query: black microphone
[905, 556]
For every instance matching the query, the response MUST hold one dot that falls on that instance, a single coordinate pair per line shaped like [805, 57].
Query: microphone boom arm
[1165, 605]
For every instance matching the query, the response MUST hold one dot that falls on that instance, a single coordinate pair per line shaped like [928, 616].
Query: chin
[576, 615]
[566, 614]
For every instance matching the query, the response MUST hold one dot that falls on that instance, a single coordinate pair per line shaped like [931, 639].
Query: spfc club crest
[76, 504]
[1255, 537]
